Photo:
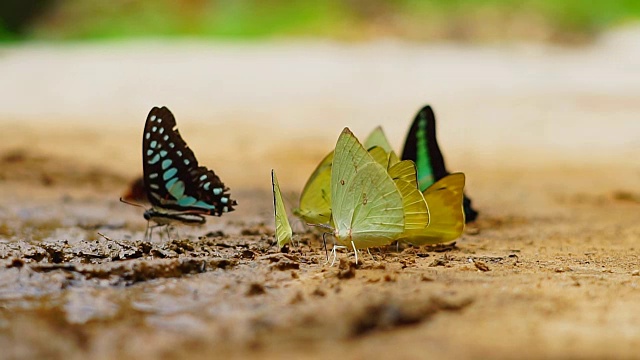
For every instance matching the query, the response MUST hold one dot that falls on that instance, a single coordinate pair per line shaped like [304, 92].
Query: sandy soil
[548, 138]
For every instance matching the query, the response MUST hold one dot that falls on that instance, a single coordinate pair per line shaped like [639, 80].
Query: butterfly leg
[370, 254]
[335, 255]
[324, 242]
[355, 251]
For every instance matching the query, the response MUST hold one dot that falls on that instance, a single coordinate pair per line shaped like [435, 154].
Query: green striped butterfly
[421, 146]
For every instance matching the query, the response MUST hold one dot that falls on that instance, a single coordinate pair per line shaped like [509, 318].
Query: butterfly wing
[445, 208]
[283, 228]
[366, 204]
[172, 177]
[421, 146]
[379, 139]
[416, 210]
[393, 159]
[315, 200]
[379, 155]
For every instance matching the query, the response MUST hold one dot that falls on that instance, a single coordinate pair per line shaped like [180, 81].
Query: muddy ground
[550, 269]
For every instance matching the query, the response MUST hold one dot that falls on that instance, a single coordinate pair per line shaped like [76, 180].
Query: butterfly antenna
[130, 203]
[324, 242]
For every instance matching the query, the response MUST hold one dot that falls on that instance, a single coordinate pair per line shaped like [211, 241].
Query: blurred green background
[565, 21]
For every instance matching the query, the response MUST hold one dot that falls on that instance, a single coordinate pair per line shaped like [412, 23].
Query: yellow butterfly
[283, 228]
[367, 207]
[416, 210]
[315, 200]
[446, 214]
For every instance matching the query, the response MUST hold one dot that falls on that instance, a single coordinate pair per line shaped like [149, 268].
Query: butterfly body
[178, 189]
[168, 218]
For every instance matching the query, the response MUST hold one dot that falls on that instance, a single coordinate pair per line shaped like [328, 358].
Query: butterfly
[283, 228]
[446, 216]
[315, 199]
[178, 189]
[421, 146]
[366, 205]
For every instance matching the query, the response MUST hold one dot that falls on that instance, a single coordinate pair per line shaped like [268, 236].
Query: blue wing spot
[177, 189]
[152, 118]
[163, 153]
[207, 185]
[169, 174]
[159, 120]
[147, 136]
[225, 209]
[154, 186]
[172, 145]
[166, 163]
[149, 152]
[203, 177]
[179, 153]
[170, 183]
[153, 176]
[154, 129]
[224, 200]
[154, 160]
[217, 191]
[186, 161]
[187, 201]
[161, 130]
[153, 144]
[166, 137]
[203, 204]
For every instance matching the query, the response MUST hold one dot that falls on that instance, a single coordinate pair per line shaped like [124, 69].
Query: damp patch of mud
[78, 278]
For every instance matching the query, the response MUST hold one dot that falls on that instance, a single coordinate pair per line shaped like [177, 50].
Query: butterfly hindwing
[172, 177]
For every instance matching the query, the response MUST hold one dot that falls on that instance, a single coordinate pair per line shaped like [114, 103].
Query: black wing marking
[436, 160]
[172, 177]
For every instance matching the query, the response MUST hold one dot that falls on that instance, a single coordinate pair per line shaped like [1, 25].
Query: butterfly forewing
[172, 177]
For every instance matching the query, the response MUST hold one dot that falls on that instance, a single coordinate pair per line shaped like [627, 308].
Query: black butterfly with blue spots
[178, 189]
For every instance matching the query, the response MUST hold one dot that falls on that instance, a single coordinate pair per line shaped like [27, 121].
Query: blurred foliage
[17, 15]
[474, 20]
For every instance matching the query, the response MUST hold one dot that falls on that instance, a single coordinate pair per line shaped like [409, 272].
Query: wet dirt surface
[541, 274]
